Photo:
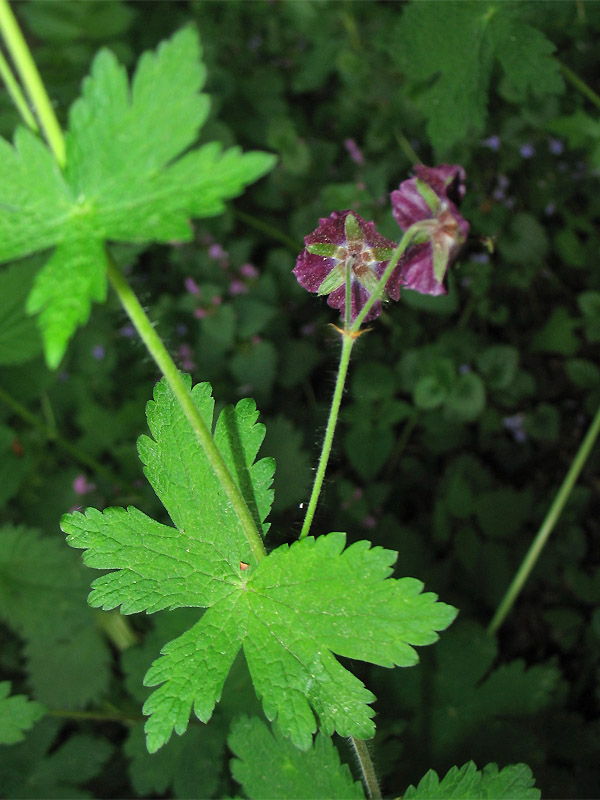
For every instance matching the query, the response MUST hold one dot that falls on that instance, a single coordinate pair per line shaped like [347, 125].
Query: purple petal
[408, 204]
[447, 180]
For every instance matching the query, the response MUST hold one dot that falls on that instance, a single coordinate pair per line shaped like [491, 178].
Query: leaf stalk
[30, 77]
[166, 365]
[547, 526]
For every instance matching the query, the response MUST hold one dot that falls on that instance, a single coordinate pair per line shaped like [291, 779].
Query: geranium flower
[428, 203]
[344, 241]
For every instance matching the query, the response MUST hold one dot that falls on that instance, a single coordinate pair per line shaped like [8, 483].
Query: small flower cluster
[347, 248]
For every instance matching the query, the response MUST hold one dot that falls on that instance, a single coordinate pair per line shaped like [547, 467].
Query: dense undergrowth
[462, 415]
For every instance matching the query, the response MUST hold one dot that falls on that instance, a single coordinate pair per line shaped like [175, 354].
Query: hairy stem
[379, 289]
[32, 82]
[547, 526]
[166, 365]
[347, 343]
[369, 777]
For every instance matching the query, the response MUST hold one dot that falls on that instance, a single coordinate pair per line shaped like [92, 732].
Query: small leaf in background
[557, 334]
[498, 365]
[543, 423]
[583, 373]
[20, 340]
[17, 714]
[466, 400]
[451, 48]
[292, 774]
[589, 304]
[514, 782]
[42, 598]
[41, 767]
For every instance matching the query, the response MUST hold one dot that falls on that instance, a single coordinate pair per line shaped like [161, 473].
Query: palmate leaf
[126, 179]
[17, 714]
[290, 613]
[315, 773]
[451, 48]
[514, 782]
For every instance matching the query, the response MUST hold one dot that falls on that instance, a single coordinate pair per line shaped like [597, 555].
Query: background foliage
[463, 413]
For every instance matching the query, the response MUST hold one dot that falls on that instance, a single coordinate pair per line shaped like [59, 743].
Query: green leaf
[20, 340]
[42, 594]
[514, 782]
[451, 49]
[557, 334]
[289, 613]
[589, 304]
[466, 400]
[17, 714]
[498, 365]
[125, 179]
[292, 773]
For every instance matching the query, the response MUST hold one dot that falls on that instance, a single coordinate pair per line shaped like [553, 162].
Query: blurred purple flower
[354, 151]
[249, 271]
[428, 203]
[527, 150]
[98, 352]
[555, 146]
[216, 251]
[343, 242]
[127, 331]
[516, 426]
[81, 485]
[191, 286]
[237, 287]
[492, 142]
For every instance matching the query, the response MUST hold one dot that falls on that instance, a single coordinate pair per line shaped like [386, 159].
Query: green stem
[30, 78]
[407, 148]
[52, 436]
[16, 94]
[366, 766]
[579, 84]
[338, 391]
[166, 365]
[547, 526]
[97, 716]
[270, 230]
[379, 289]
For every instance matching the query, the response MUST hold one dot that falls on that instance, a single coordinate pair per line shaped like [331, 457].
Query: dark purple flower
[344, 241]
[428, 203]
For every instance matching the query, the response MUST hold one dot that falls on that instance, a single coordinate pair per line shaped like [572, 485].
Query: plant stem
[53, 436]
[166, 365]
[16, 95]
[270, 230]
[407, 148]
[378, 291]
[347, 343]
[579, 84]
[547, 526]
[32, 82]
[366, 765]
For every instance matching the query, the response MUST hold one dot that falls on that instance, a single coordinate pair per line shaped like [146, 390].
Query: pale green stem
[348, 341]
[579, 84]
[547, 526]
[30, 78]
[270, 230]
[16, 94]
[379, 289]
[166, 365]
[369, 777]
[407, 148]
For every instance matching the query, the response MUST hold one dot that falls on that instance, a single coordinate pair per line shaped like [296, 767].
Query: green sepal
[430, 197]
[368, 279]
[322, 249]
[441, 256]
[352, 229]
[383, 253]
[333, 281]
